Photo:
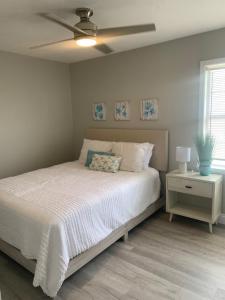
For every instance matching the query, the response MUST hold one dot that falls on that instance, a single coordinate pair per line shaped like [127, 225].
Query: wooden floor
[160, 260]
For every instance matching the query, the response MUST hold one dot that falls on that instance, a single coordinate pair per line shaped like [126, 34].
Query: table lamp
[183, 155]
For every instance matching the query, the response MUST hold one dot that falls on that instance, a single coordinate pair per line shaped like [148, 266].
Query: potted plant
[205, 146]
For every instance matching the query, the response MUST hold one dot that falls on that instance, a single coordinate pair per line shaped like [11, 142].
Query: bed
[52, 224]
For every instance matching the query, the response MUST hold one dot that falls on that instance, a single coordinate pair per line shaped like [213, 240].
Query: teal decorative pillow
[105, 163]
[91, 153]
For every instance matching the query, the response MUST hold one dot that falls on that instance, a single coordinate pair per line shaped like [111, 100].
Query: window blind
[215, 111]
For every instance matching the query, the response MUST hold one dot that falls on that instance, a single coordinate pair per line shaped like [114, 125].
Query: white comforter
[54, 214]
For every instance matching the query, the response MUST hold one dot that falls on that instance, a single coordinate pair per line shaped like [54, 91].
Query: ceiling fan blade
[103, 48]
[49, 44]
[126, 30]
[61, 22]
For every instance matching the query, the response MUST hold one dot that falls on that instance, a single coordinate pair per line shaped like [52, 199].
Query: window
[213, 108]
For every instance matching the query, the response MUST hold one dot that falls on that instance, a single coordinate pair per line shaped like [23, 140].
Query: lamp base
[182, 167]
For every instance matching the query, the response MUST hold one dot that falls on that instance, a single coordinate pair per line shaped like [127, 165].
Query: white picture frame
[149, 109]
[122, 111]
[99, 111]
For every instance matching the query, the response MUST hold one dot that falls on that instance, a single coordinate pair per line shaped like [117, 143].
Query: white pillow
[94, 145]
[135, 156]
[149, 149]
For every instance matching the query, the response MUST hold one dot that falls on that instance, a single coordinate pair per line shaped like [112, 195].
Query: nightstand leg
[171, 218]
[210, 228]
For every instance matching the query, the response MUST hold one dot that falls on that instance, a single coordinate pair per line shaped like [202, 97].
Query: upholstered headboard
[159, 138]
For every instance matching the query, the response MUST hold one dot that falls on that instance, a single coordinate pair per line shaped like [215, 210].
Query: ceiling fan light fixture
[86, 32]
[86, 41]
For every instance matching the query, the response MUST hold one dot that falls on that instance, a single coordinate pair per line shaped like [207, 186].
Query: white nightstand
[194, 196]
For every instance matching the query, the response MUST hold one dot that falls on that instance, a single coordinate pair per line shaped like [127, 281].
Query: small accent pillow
[135, 156]
[105, 163]
[91, 153]
[95, 145]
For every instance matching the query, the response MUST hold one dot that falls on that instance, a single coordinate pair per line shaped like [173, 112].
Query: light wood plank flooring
[181, 261]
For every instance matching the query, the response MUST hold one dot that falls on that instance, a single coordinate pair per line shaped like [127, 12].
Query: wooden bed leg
[171, 218]
[210, 228]
[125, 237]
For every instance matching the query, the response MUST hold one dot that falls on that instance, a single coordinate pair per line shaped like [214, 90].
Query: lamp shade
[183, 154]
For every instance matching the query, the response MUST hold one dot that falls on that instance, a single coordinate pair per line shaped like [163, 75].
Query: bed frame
[159, 161]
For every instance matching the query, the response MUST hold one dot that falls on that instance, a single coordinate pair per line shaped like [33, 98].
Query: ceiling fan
[87, 34]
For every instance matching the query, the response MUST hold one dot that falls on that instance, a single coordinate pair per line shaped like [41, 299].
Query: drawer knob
[188, 187]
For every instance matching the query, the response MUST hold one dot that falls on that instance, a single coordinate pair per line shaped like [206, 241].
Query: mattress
[56, 213]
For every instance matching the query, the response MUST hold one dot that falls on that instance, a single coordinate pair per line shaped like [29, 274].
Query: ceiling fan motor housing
[85, 24]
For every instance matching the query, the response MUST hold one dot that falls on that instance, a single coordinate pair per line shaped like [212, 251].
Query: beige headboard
[159, 138]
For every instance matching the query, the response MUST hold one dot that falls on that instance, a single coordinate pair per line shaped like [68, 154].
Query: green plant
[205, 145]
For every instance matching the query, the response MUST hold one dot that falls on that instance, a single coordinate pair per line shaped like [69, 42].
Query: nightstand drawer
[204, 189]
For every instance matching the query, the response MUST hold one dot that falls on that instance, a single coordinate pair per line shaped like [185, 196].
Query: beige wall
[168, 71]
[35, 114]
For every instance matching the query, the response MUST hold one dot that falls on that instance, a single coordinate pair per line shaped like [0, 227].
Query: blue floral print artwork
[122, 111]
[99, 112]
[149, 109]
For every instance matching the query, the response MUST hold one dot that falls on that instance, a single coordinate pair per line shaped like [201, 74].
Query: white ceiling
[21, 27]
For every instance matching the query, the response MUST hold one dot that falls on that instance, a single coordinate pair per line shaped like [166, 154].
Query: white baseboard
[222, 219]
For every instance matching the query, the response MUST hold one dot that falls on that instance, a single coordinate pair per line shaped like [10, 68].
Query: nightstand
[194, 196]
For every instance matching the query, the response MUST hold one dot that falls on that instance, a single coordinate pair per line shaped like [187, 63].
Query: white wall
[169, 71]
[36, 128]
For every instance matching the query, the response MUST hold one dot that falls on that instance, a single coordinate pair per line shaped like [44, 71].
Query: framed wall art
[149, 109]
[99, 111]
[122, 111]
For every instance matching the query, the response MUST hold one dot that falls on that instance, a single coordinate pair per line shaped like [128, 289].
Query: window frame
[203, 103]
